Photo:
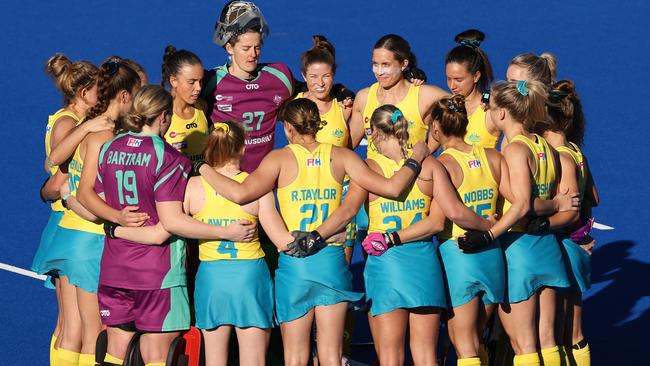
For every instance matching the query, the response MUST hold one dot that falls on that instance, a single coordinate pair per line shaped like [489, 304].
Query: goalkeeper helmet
[236, 18]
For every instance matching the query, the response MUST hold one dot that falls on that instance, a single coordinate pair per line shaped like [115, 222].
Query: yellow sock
[483, 355]
[470, 361]
[52, 351]
[66, 357]
[529, 359]
[112, 359]
[155, 364]
[582, 356]
[551, 356]
[87, 359]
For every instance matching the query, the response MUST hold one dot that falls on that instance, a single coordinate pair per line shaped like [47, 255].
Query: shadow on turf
[614, 321]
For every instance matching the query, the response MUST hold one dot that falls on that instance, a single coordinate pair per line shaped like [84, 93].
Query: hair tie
[558, 94]
[113, 65]
[452, 106]
[471, 43]
[521, 87]
[222, 126]
[396, 114]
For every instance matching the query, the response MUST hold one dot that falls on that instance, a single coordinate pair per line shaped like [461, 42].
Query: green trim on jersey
[163, 179]
[221, 71]
[177, 258]
[278, 74]
[159, 148]
[178, 317]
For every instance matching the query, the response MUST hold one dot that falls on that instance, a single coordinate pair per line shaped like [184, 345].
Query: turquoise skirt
[406, 276]
[233, 292]
[480, 274]
[75, 254]
[47, 237]
[533, 262]
[577, 263]
[304, 283]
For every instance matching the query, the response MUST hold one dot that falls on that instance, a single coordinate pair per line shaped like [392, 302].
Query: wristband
[109, 229]
[413, 165]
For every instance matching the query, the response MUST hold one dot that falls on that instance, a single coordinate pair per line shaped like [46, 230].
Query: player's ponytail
[302, 114]
[148, 104]
[565, 111]
[114, 75]
[174, 60]
[225, 143]
[469, 53]
[391, 122]
[70, 77]
[525, 100]
[541, 68]
[322, 52]
[401, 50]
[451, 115]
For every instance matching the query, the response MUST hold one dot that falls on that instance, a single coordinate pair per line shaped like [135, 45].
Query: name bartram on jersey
[125, 158]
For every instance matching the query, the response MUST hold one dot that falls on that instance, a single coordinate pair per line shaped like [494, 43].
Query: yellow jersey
[409, 107]
[477, 132]
[386, 215]
[544, 177]
[479, 190]
[219, 211]
[70, 219]
[336, 131]
[51, 121]
[188, 135]
[306, 202]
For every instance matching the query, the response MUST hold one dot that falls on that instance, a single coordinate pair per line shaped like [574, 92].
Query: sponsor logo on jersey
[191, 125]
[315, 162]
[133, 142]
[104, 313]
[252, 86]
[224, 107]
[220, 97]
[338, 133]
[541, 156]
[277, 99]
[474, 163]
[172, 134]
[474, 138]
[179, 145]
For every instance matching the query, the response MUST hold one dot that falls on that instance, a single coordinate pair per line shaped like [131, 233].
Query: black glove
[341, 93]
[415, 73]
[474, 241]
[538, 224]
[109, 229]
[305, 244]
[196, 165]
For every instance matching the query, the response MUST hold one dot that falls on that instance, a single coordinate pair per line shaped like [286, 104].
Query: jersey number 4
[127, 187]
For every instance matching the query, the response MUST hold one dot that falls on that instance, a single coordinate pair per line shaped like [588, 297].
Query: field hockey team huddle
[171, 208]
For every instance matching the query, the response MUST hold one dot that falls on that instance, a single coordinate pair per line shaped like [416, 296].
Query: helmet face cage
[235, 19]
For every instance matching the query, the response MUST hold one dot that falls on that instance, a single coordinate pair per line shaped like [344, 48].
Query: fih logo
[541, 156]
[191, 125]
[313, 162]
[474, 163]
[133, 142]
[252, 86]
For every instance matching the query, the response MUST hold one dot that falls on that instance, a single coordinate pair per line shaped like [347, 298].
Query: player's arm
[72, 203]
[272, 222]
[568, 182]
[257, 184]
[446, 196]
[356, 119]
[425, 228]
[518, 173]
[376, 183]
[591, 193]
[147, 235]
[50, 190]
[338, 220]
[64, 149]
[61, 129]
